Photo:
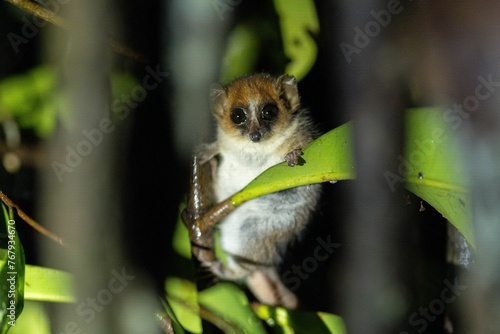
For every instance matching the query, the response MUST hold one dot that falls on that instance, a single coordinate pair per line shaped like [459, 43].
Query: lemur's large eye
[238, 116]
[269, 112]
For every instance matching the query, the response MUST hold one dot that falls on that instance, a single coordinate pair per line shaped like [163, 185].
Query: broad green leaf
[182, 299]
[298, 20]
[328, 158]
[177, 327]
[301, 322]
[434, 169]
[46, 284]
[333, 322]
[231, 305]
[49, 285]
[11, 276]
[223, 304]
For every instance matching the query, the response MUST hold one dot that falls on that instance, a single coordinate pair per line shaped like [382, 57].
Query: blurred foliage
[30, 99]
[36, 103]
[299, 26]
[241, 52]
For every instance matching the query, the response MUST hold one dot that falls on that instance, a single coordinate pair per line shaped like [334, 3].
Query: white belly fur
[233, 174]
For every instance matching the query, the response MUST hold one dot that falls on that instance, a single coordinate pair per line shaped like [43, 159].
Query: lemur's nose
[255, 136]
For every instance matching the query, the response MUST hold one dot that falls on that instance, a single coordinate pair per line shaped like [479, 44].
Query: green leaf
[176, 325]
[333, 322]
[182, 300]
[11, 276]
[328, 158]
[298, 20]
[241, 53]
[180, 239]
[434, 168]
[223, 304]
[231, 305]
[34, 320]
[50, 285]
[46, 284]
[291, 321]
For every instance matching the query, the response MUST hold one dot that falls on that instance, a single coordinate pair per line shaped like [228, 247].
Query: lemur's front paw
[293, 158]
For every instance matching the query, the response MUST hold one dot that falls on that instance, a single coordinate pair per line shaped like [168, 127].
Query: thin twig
[51, 17]
[40, 12]
[30, 221]
[127, 52]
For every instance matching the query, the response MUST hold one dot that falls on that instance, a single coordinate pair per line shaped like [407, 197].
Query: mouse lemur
[259, 123]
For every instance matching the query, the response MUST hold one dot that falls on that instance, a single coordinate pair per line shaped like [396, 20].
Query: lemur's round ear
[217, 93]
[289, 80]
[289, 91]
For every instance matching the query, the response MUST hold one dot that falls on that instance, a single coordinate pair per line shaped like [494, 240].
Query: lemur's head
[255, 107]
